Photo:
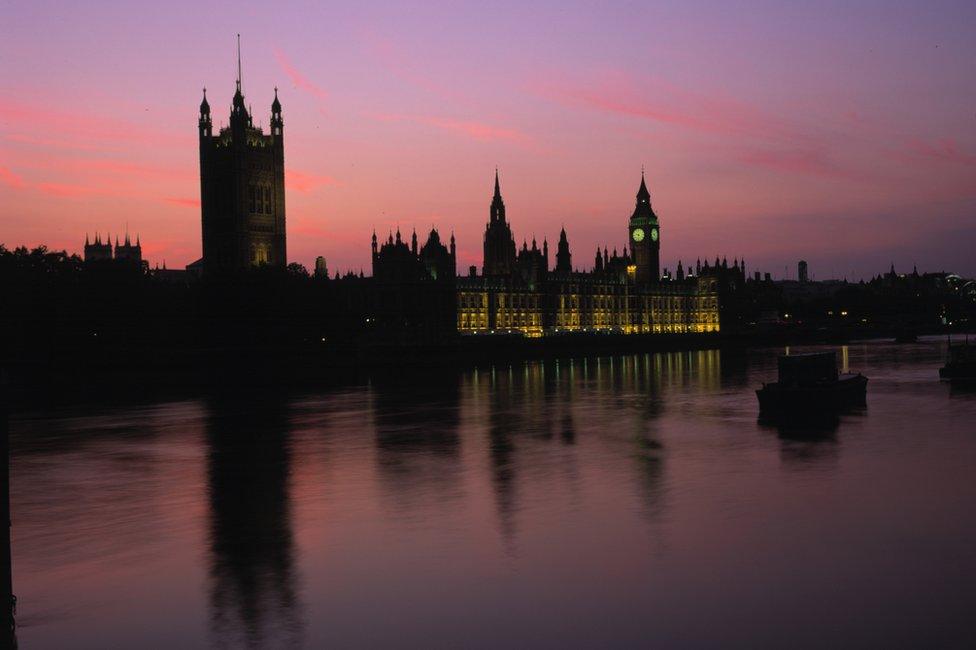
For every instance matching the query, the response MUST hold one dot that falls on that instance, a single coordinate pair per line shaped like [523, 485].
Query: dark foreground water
[614, 502]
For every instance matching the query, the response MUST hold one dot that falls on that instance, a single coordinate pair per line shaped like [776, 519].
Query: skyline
[390, 122]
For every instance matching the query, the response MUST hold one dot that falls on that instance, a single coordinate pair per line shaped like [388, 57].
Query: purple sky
[839, 132]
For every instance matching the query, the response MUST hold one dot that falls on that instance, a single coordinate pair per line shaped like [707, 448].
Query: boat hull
[825, 398]
[963, 372]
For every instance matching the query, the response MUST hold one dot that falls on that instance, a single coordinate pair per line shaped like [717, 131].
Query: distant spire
[276, 105]
[498, 191]
[642, 192]
[239, 80]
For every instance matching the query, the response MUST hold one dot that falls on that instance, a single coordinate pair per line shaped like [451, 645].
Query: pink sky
[842, 133]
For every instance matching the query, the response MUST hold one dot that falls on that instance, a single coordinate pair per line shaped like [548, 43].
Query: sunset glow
[764, 128]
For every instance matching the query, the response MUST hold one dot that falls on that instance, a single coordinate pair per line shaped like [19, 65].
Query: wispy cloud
[298, 79]
[658, 101]
[394, 58]
[56, 143]
[69, 190]
[102, 167]
[182, 201]
[944, 150]
[811, 162]
[81, 129]
[475, 130]
[305, 182]
[10, 179]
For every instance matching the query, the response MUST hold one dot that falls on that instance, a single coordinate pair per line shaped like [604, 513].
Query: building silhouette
[96, 250]
[242, 188]
[125, 251]
[623, 292]
[415, 294]
[645, 237]
[412, 297]
[321, 268]
[499, 257]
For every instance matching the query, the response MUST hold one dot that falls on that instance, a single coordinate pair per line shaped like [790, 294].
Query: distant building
[242, 189]
[96, 251]
[801, 271]
[126, 251]
[321, 270]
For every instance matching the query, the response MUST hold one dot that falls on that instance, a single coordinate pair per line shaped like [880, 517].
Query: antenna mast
[239, 62]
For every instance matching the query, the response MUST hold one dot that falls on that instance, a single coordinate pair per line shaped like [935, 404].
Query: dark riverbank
[78, 375]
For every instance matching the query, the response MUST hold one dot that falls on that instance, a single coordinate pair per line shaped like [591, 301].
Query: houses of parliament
[416, 290]
[518, 290]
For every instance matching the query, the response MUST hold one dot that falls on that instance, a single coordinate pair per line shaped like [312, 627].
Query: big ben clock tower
[645, 237]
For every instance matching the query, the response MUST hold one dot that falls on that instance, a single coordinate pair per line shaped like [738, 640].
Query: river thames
[630, 501]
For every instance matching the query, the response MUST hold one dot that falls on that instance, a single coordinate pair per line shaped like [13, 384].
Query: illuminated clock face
[653, 234]
[638, 234]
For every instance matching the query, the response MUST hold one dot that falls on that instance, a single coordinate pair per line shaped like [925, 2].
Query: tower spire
[498, 191]
[239, 80]
[642, 194]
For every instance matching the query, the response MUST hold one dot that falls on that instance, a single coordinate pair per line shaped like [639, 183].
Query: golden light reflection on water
[442, 503]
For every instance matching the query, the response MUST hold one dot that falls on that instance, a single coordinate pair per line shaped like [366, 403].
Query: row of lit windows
[674, 314]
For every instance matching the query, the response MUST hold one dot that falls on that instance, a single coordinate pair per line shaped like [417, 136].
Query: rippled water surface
[627, 501]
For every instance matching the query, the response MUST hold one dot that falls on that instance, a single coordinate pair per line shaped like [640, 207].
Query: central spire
[497, 205]
[239, 80]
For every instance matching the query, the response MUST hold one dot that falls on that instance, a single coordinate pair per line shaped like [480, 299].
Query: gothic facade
[413, 295]
[623, 292]
[242, 189]
[125, 251]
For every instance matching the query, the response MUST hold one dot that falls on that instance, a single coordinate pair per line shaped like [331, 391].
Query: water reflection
[8, 633]
[505, 421]
[417, 440]
[633, 496]
[252, 592]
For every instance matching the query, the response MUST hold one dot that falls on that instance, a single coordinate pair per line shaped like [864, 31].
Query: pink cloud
[70, 190]
[78, 190]
[943, 150]
[310, 230]
[79, 129]
[655, 100]
[112, 168]
[57, 144]
[297, 78]
[809, 162]
[396, 60]
[304, 182]
[182, 201]
[10, 179]
[479, 131]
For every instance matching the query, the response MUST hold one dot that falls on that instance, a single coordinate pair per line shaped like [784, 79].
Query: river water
[629, 501]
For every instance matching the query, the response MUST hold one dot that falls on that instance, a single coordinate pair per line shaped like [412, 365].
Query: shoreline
[42, 383]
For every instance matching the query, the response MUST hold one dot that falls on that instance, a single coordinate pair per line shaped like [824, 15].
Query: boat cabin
[808, 369]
